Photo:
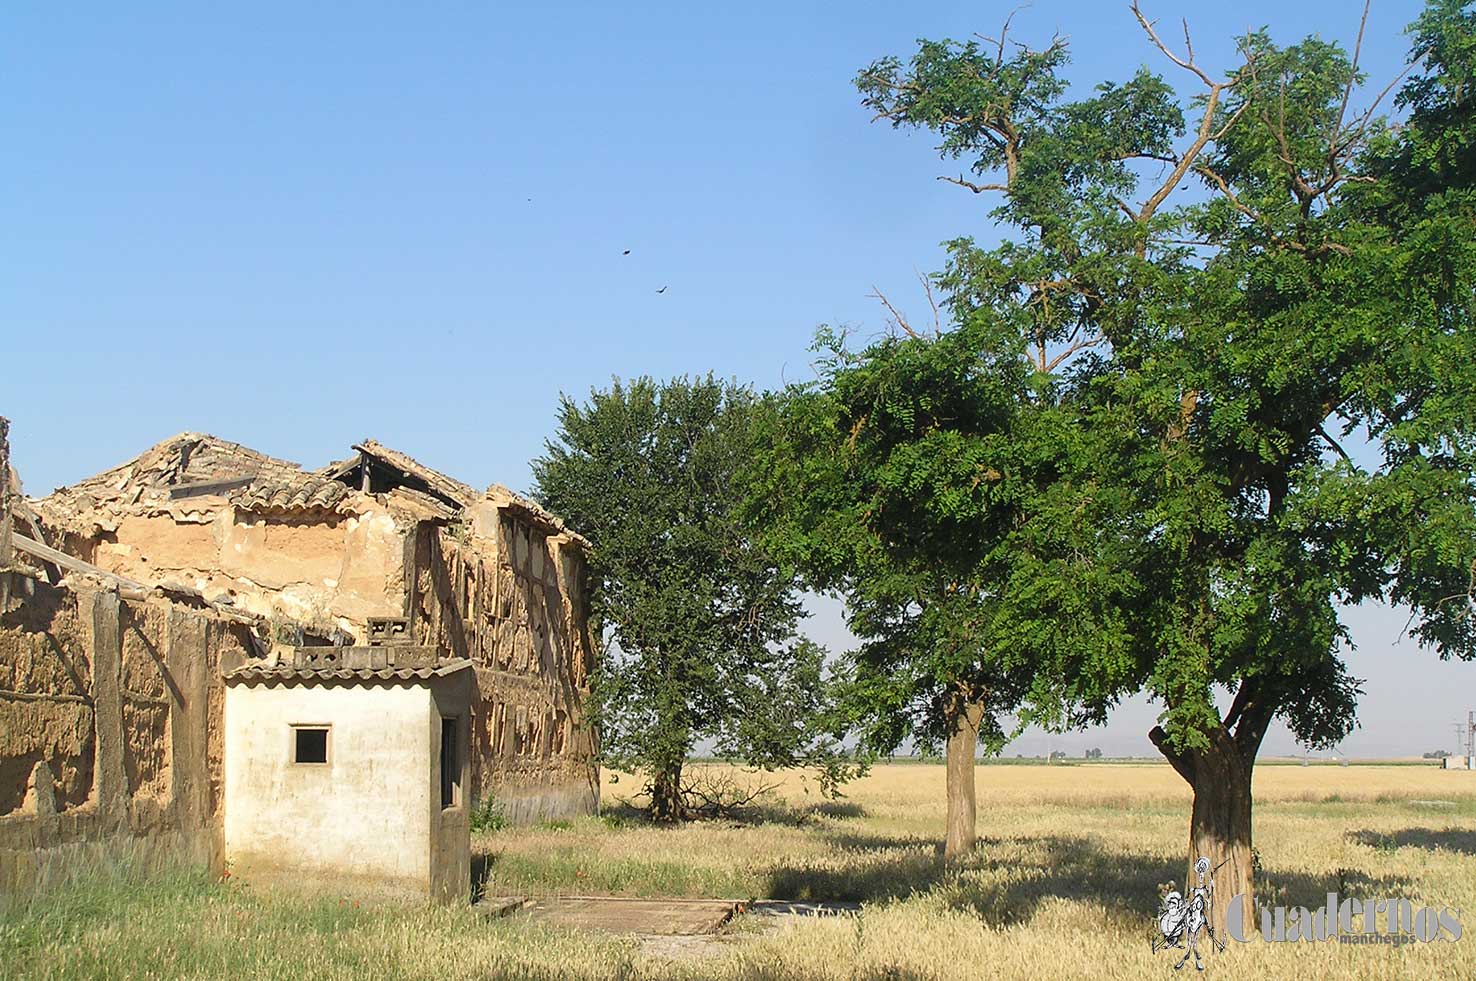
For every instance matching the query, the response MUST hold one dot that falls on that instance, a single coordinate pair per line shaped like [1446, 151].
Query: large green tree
[699, 622]
[856, 485]
[925, 476]
[1216, 292]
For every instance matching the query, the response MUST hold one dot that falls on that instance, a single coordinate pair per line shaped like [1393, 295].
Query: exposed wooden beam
[201, 488]
[64, 561]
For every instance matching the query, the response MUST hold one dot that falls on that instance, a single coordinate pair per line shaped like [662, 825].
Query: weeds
[488, 815]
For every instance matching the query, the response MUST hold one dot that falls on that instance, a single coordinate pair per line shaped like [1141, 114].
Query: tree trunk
[965, 715]
[1219, 825]
[666, 794]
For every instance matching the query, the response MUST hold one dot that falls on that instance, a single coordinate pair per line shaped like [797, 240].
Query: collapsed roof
[191, 472]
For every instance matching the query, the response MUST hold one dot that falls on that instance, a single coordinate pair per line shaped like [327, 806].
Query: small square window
[310, 744]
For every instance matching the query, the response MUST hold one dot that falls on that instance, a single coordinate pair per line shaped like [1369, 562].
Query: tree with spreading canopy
[858, 485]
[1197, 303]
[699, 622]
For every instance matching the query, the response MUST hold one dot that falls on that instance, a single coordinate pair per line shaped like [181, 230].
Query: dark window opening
[450, 765]
[310, 744]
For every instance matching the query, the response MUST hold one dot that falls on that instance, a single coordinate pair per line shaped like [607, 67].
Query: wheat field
[1065, 883]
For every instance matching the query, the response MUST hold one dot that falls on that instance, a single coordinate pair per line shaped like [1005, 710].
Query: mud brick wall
[5, 517]
[515, 606]
[110, 737]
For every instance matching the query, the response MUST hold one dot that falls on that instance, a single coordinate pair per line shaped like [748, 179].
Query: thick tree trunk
[1219, 825]
[666, 794]
[965, 715]
[1220, 831]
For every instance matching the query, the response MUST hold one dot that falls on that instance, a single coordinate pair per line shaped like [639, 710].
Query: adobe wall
[110, 737]
[507, 595]
[318, 568]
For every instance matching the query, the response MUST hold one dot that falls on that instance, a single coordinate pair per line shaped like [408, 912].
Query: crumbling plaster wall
[510, 596]
[320, 568]
[110, 737]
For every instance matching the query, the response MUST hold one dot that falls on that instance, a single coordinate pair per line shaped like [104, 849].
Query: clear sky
[297, 225]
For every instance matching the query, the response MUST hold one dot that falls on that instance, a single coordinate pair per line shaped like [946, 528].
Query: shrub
[488, 815]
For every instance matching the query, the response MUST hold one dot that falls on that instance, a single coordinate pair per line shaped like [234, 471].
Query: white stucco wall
[366, 815]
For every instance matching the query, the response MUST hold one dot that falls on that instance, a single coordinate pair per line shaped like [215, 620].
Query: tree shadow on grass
[1013, 886]
[1462, 841]
[1005, 880]
[622, 813]
[838, 809]
[1126, 882]
[880, 878]
[1279, 888]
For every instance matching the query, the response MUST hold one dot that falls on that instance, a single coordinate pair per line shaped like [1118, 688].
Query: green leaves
[698, 618]
[1137, 449]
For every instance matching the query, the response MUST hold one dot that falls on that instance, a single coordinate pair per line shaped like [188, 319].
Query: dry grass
[1064, 885]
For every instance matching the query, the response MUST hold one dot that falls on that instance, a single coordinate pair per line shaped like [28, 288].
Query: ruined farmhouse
[136, 605]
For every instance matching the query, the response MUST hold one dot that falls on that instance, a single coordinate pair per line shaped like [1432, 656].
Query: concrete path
[671, 929]
[648, 917]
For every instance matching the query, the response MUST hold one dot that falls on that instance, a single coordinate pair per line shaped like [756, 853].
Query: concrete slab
[647, 917]
[494, 907]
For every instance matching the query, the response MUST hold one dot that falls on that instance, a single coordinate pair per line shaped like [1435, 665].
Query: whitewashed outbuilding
[349, 765]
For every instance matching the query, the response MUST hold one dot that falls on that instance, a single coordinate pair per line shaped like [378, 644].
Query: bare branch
[1359, 126]
[1234, 118]
[1334, 444]
[927, 286]
[976, 188]
[1207, 131]
[1188, 65]
[1073, 348]
[897, 318]
[1256, 217]
[1003, 32]
[1348, 90]
[1166, 188]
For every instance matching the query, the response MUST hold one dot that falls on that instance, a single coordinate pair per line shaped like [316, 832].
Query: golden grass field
[1064, 885]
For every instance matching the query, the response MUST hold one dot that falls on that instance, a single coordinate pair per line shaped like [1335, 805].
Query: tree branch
[1182, 763]
[927, 286]
[1255, 216]
[1206, 133]
[1334, 444]
[897, 318]
[1337, 129]
[1158, 43]
[976, 188]
[1071, 349]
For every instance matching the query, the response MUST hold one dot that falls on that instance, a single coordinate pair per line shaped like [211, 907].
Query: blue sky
[296, 226]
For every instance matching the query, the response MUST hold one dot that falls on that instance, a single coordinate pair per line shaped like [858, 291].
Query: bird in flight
[626, 252]
[662, 290]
